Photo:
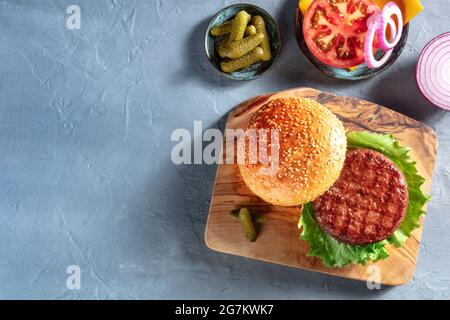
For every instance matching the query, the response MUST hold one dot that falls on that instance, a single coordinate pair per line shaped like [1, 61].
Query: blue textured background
[85, 173]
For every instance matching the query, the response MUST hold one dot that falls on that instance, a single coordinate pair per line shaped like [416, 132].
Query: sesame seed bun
[312, 148]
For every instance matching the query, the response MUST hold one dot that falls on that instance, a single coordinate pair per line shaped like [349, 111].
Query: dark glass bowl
[257, 69]
[360, 72]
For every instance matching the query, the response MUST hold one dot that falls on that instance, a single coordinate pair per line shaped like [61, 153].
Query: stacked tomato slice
[335, 30]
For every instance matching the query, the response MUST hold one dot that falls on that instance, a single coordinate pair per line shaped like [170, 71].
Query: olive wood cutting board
[279, 237]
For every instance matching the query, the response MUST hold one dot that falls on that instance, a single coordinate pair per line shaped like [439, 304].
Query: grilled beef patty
[367, 203]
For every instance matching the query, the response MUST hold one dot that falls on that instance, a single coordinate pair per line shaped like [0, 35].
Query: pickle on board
[250, 31]
[256, 218]
[239, 25]
[223, 29]
[260, 26]
[243, 62]
[247, 224]
[239, 48]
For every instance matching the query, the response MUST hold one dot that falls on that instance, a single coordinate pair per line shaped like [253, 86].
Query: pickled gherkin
[247, 224]
[240, 52]
[250, 31]
[223, 29]
[260, 26]
[243, 62]
[256, 217]
[223, 43]
[239, 48]
[239, 25]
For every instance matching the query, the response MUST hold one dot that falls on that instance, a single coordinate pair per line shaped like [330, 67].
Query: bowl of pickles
[242, 41]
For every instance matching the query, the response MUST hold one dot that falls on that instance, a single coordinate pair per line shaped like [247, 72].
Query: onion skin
[389, 10]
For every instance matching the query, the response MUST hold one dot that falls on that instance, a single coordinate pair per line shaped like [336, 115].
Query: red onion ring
[389, 10]
[372, 27]
[433, 71]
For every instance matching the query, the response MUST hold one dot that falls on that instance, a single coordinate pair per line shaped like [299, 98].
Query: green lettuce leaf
[334, 253]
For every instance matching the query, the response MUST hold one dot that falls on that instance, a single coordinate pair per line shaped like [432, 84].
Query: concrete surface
[85, 173]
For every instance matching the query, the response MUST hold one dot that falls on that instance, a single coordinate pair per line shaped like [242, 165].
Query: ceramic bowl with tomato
[342, 58]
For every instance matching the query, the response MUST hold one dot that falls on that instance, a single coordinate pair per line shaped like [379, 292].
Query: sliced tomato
[335, 30]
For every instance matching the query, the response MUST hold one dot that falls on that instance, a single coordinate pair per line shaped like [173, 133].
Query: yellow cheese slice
[410, 8]
[304, 5]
